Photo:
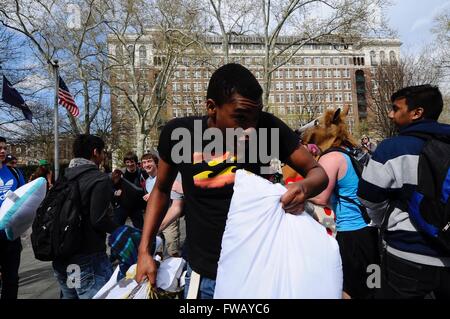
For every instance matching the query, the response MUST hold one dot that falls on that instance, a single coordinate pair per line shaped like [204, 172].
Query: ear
[336, 116]
[417, 113]
[346, 110]
[211, 108]
[96, 152]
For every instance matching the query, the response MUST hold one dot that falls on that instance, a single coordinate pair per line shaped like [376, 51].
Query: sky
[413, 20]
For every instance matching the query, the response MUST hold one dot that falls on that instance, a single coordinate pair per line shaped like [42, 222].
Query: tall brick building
[319, 76]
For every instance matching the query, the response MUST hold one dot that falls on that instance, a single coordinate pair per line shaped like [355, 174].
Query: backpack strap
[347, 152]
[361, 207]
[16, 175]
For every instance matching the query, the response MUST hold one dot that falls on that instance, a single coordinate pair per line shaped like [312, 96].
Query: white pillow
[19, 207]
[267, 253]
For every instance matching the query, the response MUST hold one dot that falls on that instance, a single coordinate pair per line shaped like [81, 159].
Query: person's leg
[403, 279]
[11, 251]
[443, 283]
[96, 270]
[137, 218]
[172, 236]
[60, 272]
[359, 250]
[368, 255]
[187, 281]
[206, 288]
[350, 267]
[120, 215]
[3, 242]
[103, 271]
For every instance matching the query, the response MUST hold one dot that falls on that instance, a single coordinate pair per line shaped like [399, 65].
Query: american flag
[66, 99]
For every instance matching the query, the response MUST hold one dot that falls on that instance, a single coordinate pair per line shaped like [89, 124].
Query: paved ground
[36, 277]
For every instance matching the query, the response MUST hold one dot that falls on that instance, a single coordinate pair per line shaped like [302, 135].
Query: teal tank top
[348, 215]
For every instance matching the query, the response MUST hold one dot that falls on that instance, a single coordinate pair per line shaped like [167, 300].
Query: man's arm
[372, 190]
[330, 163]
[154, 213]
[100, 207]
[175, 211]
[316, 180]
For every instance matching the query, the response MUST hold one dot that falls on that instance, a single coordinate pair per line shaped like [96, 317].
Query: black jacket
[96, 195]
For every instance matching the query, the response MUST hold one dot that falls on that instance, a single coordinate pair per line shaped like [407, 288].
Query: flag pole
[56, 160]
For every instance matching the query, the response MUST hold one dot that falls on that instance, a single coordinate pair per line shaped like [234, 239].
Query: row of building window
[259, 61]
[275, 98]
[289, 110]
[187, 87]
[178, 112]
[198, 87]
[292, 110]
[309, 86]
[195, 74]
[187, 100]
[142, 54]
[382, 59]
[254, 46]
[157, 60]
[278, 74]
[309, 73]
[309, 97]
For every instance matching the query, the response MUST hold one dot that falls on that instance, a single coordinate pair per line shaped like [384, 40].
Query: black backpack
[429, 208]
[57, 227]
[358, 162]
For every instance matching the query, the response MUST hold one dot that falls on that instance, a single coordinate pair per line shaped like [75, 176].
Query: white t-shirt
[151, 181]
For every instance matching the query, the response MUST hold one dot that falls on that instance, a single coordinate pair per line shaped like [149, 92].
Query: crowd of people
[369, 188]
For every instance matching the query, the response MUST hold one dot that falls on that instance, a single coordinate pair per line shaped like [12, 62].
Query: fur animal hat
[332, 131]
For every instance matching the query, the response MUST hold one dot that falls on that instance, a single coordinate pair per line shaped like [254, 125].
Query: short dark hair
[152, 156]
[85, 144]
[230, 79]
[130, 156]
[10, 158]
[2, 139]
[426, 96]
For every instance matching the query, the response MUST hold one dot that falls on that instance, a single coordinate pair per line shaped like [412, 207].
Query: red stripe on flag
[66, 99]
[64, 94]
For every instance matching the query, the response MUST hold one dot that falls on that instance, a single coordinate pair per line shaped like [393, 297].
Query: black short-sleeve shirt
[208, 181]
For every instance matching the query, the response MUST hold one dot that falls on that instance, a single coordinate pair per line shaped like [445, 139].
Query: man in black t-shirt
[132, 172]
[208, 171]
[128, 205]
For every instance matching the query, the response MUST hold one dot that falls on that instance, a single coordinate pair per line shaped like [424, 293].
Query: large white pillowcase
[267, 253]
[19, 207]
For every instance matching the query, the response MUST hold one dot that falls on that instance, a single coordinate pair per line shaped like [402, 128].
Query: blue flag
[11, 96]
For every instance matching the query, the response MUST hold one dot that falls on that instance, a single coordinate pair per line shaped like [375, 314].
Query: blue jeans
[206, 289]
[84, 282]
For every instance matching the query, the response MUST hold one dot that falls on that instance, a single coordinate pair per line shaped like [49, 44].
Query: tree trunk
[140, 138]
[267, 81]
[266, 91]
[87, 120]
